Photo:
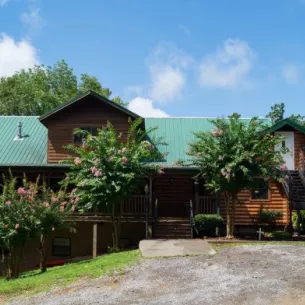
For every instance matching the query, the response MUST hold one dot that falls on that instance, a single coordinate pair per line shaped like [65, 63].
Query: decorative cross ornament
[260, 233]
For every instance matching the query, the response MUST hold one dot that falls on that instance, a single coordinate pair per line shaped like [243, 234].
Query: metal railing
[207, 205]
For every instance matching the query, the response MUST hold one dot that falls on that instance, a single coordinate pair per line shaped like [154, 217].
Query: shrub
[269, 217]
[206, 224]
[278, 235]
[298, 221]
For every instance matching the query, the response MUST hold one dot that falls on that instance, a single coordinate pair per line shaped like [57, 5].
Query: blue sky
[168, 57]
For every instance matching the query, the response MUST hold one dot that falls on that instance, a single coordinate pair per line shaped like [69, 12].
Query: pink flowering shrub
[30, 211]
[112, 167]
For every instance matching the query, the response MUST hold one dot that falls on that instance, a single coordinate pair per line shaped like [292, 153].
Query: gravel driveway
[265, 274]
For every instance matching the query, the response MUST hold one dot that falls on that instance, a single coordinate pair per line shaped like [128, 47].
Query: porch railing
[207, 205]
[135, 206]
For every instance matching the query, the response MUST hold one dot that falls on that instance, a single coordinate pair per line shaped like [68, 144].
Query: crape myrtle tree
[30, 211]
[107, 168]
[236, 155]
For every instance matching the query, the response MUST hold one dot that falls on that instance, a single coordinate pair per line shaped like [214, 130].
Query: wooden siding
[299, 143]
[87, 112]
[247, 209]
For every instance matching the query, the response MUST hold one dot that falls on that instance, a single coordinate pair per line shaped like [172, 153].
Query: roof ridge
[19, 116]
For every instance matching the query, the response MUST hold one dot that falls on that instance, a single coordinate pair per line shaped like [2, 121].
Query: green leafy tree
[234, 157]
[38, 90]
[107, 169]
[277, 114]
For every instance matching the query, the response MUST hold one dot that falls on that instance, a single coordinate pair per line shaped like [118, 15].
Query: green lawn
[34, 282]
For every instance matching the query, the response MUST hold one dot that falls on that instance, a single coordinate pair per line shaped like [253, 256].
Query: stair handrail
[156, 209]
[302, 176]
[287, 181]
[192, 217]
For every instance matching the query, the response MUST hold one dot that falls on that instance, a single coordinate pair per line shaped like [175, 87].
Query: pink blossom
[76, 199]
[21, 191]
[53, 199]
[62, 208]
[124, 149]
[283, 167]
[63, 204]
[84, 144]
[98, 173]
[161, 171]
[198, 155]
[46, 204]
[217, 132]
[6, 226]
[124, 160]
[95, 161]
[223, 174]
[77, 161]
[220, 158]
[74, 191]
[229, 170]
[93, 169]
[8, 203]
[73, 208]
[53, 229]
[17, 226]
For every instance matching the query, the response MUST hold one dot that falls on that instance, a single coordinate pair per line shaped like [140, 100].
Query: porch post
[94, 241]
[197, 211]
[149, 212]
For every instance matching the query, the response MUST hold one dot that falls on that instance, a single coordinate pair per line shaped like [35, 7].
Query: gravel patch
[258, 274]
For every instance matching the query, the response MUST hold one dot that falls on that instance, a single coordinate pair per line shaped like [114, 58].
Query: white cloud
[167, 65]
[167, 83]
[145, 108]
[229, 67]
[32, 18]
[3, 2]
[291, 73]
[16, 55]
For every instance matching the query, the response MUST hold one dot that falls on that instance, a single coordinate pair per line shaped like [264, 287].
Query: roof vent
[19, 133]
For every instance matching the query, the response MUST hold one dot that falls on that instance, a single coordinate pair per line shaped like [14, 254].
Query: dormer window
[79, 138]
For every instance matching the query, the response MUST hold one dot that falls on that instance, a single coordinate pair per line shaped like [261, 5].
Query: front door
[287, 142]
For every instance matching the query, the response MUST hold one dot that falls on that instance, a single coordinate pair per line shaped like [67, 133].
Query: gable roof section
[286, 122]
[31, 149]
[178, 133]
[83, 95]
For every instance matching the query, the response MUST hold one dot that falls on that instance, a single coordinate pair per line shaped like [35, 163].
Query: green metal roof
[286, 122]
[177, 133]
[31, 149]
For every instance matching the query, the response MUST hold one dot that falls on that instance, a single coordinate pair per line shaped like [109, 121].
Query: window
[61, 246]
[79, 138]
[262, 191]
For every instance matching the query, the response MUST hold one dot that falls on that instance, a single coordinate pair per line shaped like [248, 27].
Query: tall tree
[38, 90]
[277, 114]
[234, 157]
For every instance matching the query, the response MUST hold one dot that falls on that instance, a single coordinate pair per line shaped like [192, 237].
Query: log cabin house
[35, 145]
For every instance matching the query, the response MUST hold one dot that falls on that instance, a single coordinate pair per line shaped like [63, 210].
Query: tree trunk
[13, 261]
[43, 254]
[230, 201]
[233, 208]
[116, 222]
